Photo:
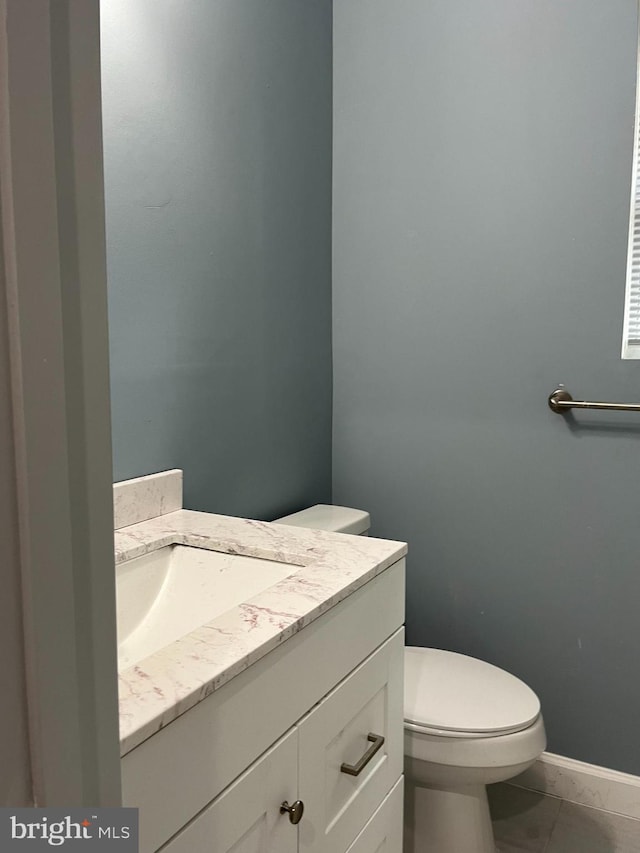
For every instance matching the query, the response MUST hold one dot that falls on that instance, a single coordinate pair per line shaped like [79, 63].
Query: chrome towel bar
[561, 401]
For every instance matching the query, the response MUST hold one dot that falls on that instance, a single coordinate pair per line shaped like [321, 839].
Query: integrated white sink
[170, 592]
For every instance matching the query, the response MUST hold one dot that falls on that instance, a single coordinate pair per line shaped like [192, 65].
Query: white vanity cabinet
[246, 817]
[290, 727]
[367, 704]
[383, 833]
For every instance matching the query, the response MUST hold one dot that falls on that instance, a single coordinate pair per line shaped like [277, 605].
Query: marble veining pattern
[173, 680]
[531, 822]
[146, 497]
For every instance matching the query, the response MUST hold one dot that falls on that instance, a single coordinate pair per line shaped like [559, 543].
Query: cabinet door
[369, 702]
[383, 833]
[246, 817]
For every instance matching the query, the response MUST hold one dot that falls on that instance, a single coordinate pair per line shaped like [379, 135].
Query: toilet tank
[339, 519]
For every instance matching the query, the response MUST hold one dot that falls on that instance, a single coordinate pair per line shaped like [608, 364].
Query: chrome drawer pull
[356, 769]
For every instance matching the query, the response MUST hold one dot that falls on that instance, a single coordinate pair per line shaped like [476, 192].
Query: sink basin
[170, 592]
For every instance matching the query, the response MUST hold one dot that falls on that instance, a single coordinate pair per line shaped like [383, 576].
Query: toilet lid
[456, 693]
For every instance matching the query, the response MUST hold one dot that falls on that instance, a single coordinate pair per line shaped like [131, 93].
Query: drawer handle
[295, 810]
[356, 769]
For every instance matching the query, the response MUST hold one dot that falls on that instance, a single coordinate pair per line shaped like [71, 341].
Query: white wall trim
[582, 783]
[52, 223]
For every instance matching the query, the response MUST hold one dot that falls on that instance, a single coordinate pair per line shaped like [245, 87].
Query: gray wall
[217, 132]
[482, 164]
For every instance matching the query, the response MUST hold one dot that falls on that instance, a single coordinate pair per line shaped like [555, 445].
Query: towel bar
[561, 401]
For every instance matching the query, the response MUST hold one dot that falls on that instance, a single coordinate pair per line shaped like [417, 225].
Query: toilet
[467, 724]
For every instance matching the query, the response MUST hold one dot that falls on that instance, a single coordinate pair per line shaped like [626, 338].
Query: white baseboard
[583, 783]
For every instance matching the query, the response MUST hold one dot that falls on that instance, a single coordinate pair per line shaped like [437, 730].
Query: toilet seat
[452, 733]
[451, 695]
[501, 750]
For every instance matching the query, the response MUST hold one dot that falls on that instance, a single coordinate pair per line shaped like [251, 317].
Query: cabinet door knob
[295, 810]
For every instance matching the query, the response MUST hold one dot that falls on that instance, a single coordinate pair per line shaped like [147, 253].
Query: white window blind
[631, 333]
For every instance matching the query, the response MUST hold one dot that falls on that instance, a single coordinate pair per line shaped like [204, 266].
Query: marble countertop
[332, 566]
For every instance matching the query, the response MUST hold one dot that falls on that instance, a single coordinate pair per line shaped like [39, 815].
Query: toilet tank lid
[339, 519]
[456, 693]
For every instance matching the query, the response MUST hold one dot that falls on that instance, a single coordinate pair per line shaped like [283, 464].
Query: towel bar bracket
[559, 396]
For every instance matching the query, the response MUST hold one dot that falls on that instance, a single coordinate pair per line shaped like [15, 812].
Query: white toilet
[466, 724]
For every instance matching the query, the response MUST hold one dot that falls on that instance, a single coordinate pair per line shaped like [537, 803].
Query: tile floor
[528, 822]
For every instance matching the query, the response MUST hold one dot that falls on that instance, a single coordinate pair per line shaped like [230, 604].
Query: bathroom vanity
[278, 724]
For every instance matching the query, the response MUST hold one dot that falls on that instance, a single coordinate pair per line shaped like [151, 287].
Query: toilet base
[447, 820]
